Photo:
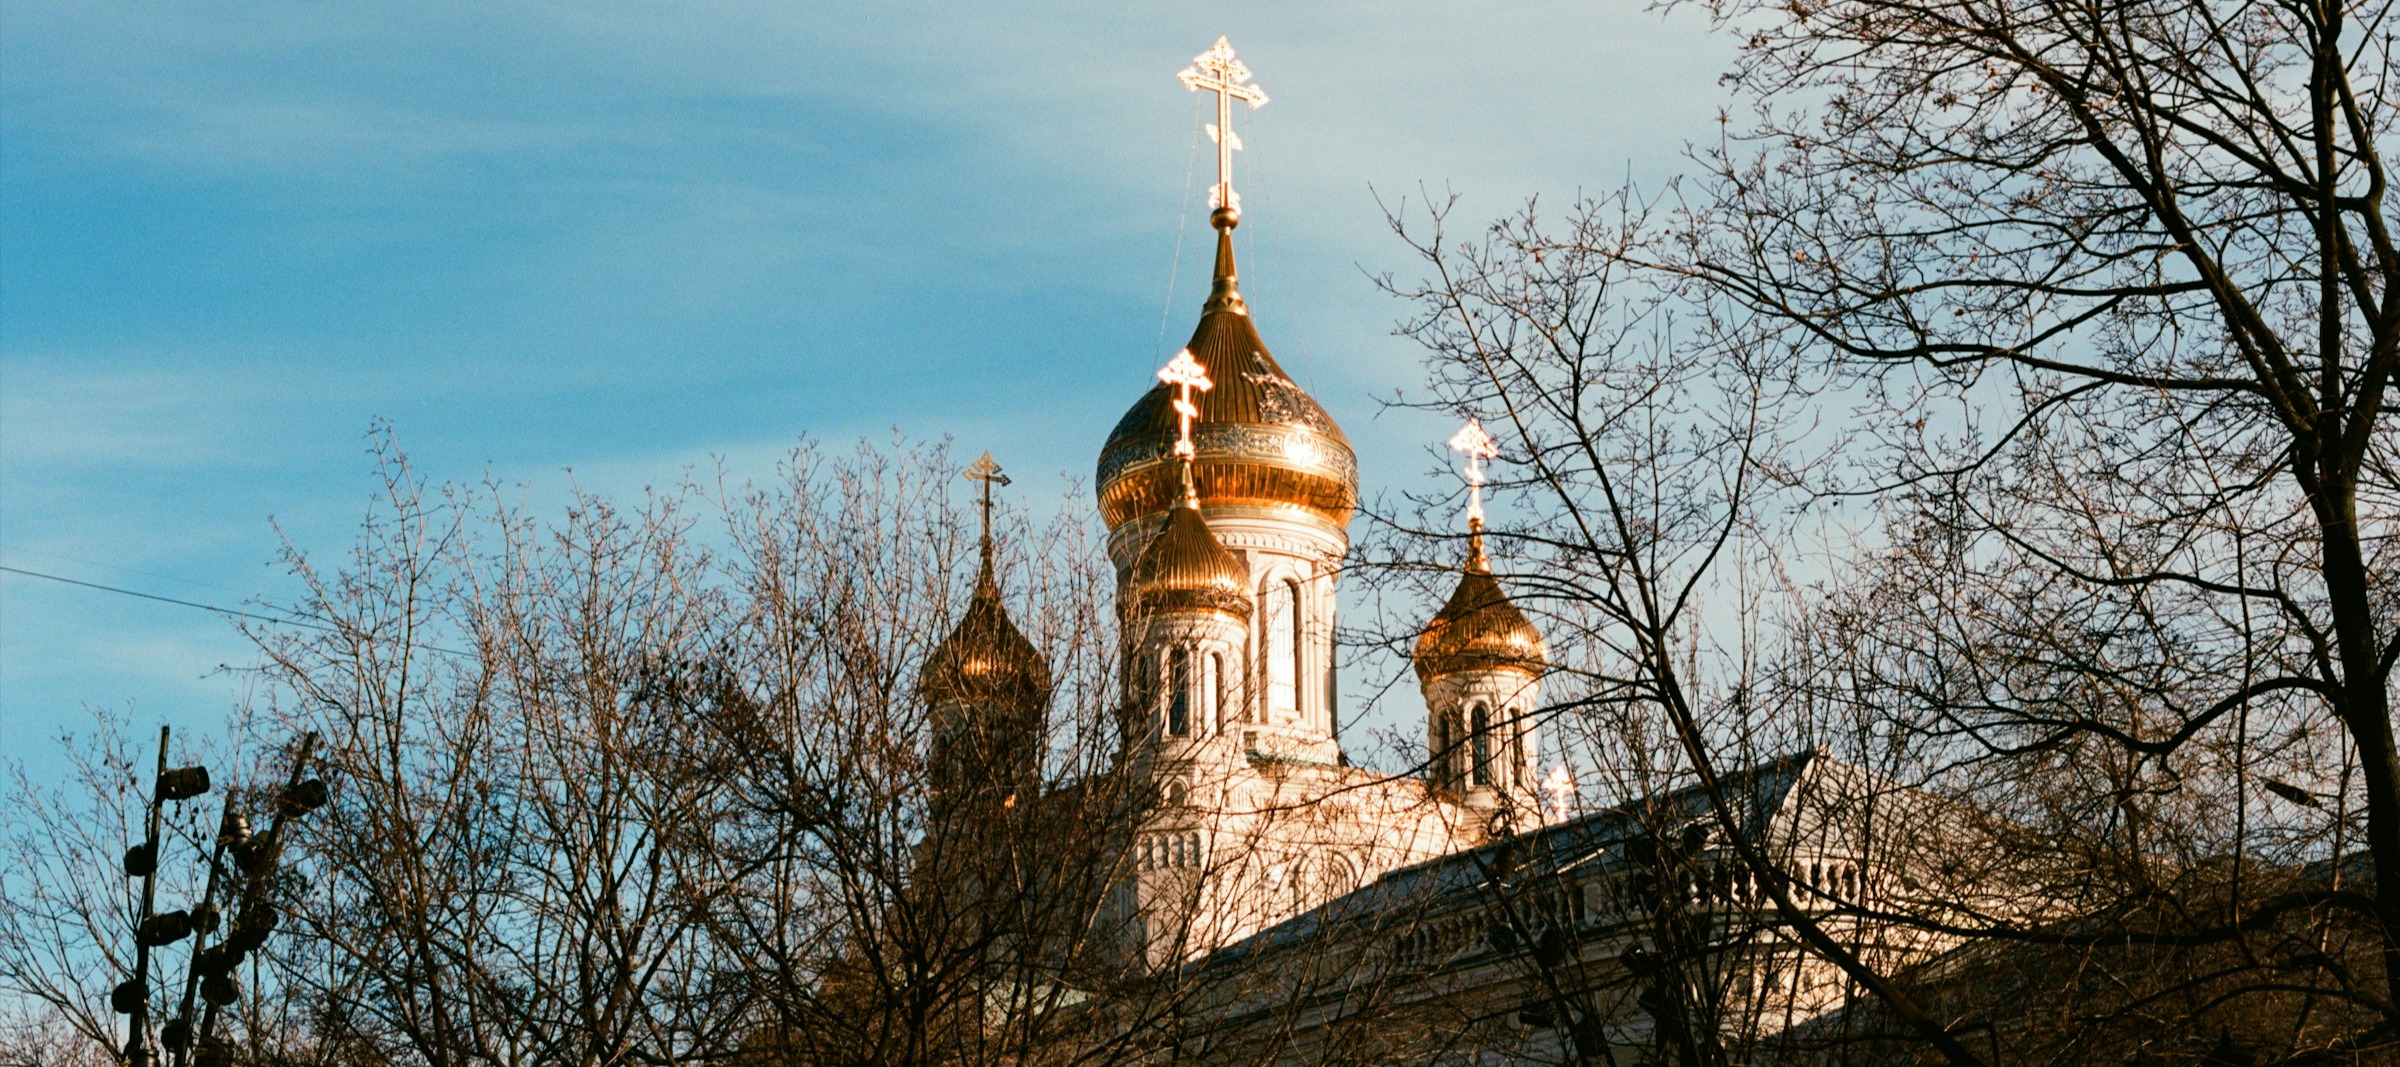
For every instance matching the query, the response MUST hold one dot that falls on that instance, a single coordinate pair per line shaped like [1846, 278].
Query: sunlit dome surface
[1262, 440]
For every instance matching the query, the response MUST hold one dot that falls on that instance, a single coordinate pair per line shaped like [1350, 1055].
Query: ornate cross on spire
[1186, 374]
[1217, 71]
[988, 473]
[1477, 446]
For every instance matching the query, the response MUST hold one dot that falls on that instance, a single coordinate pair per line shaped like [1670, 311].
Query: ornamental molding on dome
[1283, 401]
[1299, 447]
[1281, 533]
[1297, 546]
[1224, 632]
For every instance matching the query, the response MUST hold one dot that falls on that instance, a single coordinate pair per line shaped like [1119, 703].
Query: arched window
[1519, 763]
[1479, 742]
[1179, 693]
[1292, 639]
[1282, 647]
[1437, 764]
[1221, 689]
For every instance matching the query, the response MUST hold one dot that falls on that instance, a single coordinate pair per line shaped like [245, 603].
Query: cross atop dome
[1219, 71]
[1478, 446]
[986, 471]
[1185, 374]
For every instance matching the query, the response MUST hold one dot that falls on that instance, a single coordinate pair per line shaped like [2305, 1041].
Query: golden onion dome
[1262, 441]
[986, 661]
[1185, 568]
[1479, 629]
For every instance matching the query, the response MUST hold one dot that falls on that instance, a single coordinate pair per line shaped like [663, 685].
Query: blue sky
[623, 239]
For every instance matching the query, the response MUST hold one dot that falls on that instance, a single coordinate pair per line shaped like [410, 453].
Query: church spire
[1262, 441]
[1479, 663]
[1185, 566]
[1224, 288]
[987, 689]
[986, 662]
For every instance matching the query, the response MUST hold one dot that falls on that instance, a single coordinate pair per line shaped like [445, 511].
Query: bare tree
[2114, 285]
[623, 788]
[1647, 449]
[2085, 311]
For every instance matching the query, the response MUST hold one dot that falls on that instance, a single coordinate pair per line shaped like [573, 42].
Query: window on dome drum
[1179, 693]
[1479, 740]
[1281, 638]
[1220, 689]
[1437, 760]
[1517, 762]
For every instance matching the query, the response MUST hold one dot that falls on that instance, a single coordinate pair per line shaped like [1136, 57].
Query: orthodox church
[1227, 491]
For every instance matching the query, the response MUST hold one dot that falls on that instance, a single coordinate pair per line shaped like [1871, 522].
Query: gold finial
[987, 472]
[1217, 71]
[1477, 446]
[1186, 374]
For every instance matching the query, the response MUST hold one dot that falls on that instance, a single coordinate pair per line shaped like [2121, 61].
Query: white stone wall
[1286, 715]
[1238, 845]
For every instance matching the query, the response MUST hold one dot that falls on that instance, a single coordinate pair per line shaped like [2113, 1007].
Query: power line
[238, 614]
[7, 547]
[284, 618]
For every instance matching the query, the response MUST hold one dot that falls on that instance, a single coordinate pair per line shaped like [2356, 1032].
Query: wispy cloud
[624, 237]
[61, 411]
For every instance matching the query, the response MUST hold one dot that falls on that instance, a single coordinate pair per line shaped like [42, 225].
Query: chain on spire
[1219, 71]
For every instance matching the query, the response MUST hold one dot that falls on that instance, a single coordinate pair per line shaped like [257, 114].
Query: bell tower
[987, 691]
[1479, 664]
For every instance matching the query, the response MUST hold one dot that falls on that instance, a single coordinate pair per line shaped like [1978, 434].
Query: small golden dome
[1478, 629]
[986, 661]
[1185, 568]
[1262, 441]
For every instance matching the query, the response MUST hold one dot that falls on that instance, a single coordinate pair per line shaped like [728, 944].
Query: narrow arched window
[1293, 637]
[1437, 762]
[1519, 762]
[1282, 651]
[1221, 686]
[1479, 743]
[1179, 693]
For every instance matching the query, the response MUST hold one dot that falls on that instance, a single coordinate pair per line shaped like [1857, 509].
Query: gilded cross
[988, 473]
[1185, 374]
[1560, 784]
[1477, 446]
[1217, 71]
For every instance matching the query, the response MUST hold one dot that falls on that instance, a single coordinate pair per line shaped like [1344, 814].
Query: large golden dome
[1478, 629]
[1262, 440]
